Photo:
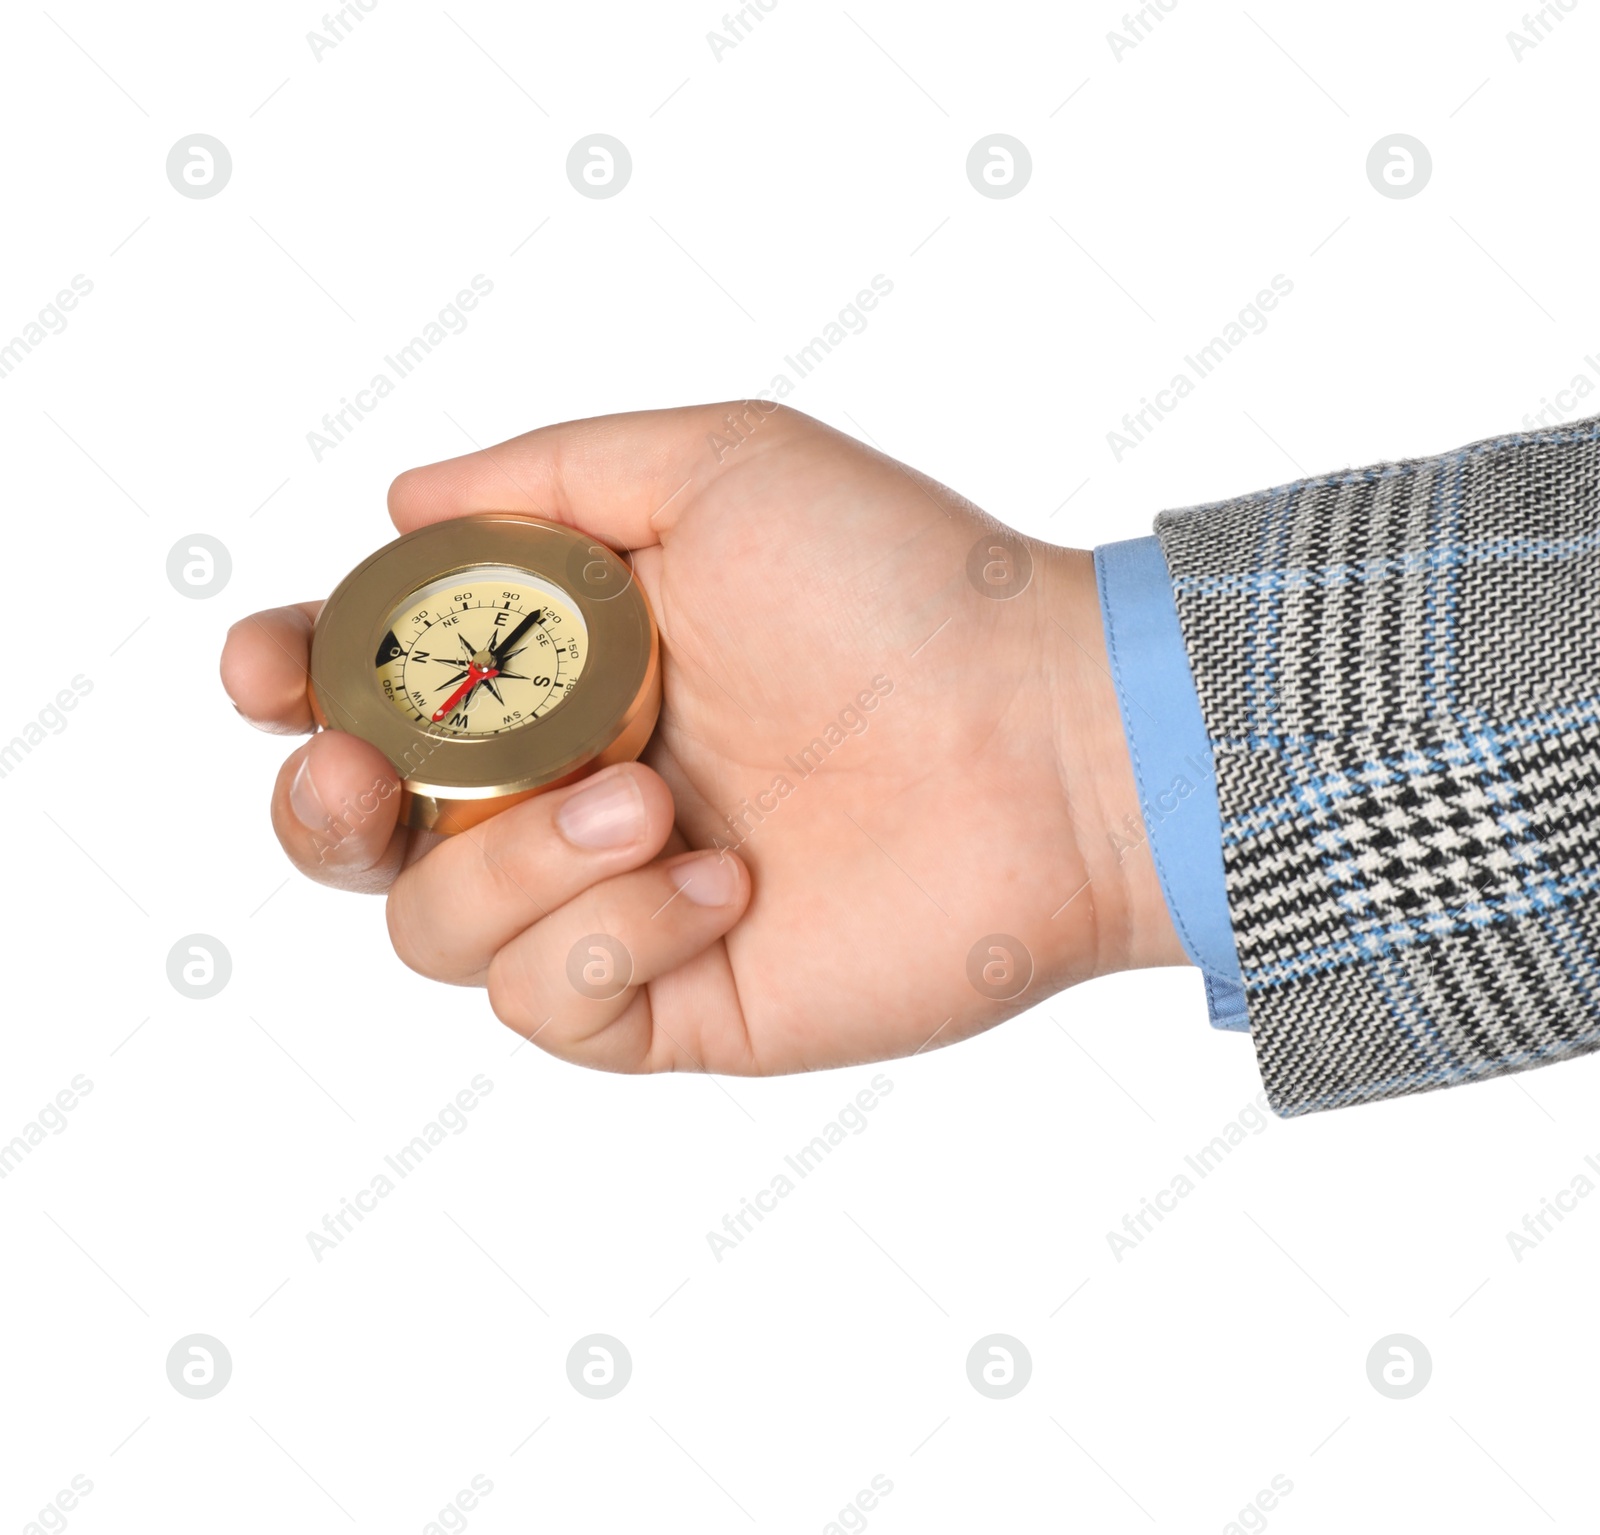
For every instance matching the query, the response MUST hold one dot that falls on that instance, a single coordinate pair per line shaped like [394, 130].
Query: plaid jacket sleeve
[1399, 672]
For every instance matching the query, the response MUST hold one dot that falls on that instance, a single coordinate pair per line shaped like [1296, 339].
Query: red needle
[475, 675]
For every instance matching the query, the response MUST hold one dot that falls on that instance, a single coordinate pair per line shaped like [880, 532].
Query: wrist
[1131, 923]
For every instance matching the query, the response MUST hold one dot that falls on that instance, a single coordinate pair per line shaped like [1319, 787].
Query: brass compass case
[452, 779]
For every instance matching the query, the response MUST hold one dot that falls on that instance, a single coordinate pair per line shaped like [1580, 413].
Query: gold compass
[489, 658]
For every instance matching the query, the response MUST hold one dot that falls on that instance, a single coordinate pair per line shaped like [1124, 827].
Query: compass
[489, 658]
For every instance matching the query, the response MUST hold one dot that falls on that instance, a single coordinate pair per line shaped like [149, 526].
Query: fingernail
[304, 800]
[710, 880]
[606, 814]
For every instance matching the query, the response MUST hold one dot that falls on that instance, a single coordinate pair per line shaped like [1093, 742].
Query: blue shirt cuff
[1172, 762]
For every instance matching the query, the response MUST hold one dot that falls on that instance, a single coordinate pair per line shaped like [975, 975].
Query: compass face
[482, 652]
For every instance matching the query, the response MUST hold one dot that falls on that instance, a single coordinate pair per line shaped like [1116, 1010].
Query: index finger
[617, 477]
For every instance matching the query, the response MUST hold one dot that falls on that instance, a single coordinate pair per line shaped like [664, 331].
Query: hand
[863, 765]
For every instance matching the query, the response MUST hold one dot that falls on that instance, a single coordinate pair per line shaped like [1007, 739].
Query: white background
[1168, 187]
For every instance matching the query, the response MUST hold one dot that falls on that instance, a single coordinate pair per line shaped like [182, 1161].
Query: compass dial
[482, 651]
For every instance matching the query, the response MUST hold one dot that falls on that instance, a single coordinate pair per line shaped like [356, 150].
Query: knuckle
[513, 989]
[613, 915]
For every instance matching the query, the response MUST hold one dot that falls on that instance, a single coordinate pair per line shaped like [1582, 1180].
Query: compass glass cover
[482, 651]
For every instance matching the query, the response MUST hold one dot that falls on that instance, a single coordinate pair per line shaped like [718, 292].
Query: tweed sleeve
[1398, 669]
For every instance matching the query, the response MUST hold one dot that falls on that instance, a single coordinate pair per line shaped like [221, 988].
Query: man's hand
[864, 765]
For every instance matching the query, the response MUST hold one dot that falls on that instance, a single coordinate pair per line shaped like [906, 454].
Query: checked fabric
[1399, 671]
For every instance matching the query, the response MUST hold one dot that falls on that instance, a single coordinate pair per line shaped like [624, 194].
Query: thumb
[335, 809]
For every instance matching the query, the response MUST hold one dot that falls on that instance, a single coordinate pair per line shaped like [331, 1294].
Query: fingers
[614, 476]
[575, 981]
[264, 661]
[556, 906]
[335, 809]
[450, 913]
